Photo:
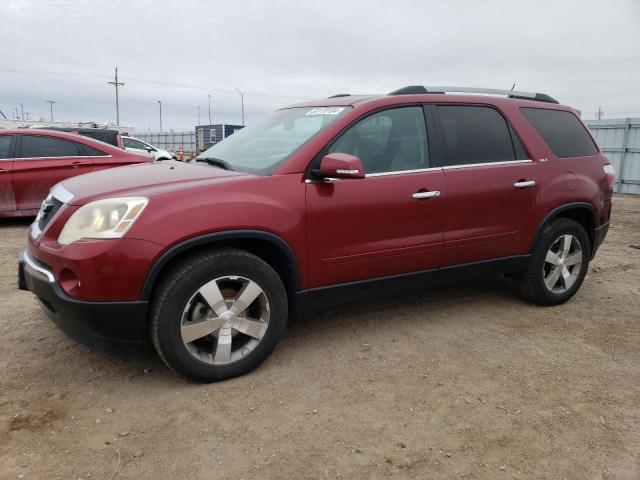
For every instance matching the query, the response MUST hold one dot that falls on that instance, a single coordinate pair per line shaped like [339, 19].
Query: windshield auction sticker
[325, 111]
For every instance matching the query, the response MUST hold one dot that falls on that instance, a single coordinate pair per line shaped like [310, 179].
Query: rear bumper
[600, 234]
[115, 328]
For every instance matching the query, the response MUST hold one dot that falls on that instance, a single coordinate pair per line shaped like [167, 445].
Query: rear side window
[475, 134]
[41, 146]
[92, 152]
[562, 132]
[5, 146]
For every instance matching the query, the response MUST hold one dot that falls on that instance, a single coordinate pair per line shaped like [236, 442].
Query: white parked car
[135, 145]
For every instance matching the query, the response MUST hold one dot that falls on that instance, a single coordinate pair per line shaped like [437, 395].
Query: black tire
[532, 282]
[179, 284]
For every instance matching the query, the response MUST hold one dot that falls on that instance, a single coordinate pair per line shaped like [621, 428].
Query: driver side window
[392, 140]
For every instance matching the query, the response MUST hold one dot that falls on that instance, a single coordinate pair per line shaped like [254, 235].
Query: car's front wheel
[558, 263]
[218, 315]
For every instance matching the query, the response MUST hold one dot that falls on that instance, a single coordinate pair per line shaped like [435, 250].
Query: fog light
[69, 281]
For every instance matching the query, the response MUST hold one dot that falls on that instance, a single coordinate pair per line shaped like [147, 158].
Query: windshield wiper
[215, 162]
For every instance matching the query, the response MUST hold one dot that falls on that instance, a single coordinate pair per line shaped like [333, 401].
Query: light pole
[51, 102]
[199, 115]
[242, 103]
[160, 103]
[209, 109]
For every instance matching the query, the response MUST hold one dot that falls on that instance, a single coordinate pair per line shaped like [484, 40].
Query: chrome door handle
[422, 195]
[524, 184]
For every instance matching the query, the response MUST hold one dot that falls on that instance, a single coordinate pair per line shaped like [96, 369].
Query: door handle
[524, 184]
[78, 164]
[423, 195]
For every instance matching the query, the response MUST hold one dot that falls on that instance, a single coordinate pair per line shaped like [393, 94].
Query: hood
[146, 180]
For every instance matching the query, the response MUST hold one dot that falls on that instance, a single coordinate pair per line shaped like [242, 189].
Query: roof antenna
[513, 86]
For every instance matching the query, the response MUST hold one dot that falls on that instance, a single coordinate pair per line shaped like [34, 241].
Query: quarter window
[561, 131]
[388, 141]
[41, 146]
[5, 146]
[476, 135]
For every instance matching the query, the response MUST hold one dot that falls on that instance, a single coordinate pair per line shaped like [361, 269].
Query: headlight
[108, 218]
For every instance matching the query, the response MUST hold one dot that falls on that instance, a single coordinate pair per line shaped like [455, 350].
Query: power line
[117, 84]
[155, 82]
[51, 102]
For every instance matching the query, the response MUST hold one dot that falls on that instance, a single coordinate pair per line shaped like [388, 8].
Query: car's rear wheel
[558, 263]
[218, 315]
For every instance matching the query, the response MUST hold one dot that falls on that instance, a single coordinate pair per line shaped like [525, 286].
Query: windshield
[263, 145]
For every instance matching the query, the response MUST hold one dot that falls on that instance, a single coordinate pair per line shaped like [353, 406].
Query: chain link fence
[172, 141]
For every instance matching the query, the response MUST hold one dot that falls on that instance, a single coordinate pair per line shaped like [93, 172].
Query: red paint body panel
[373, 227]
[341, 231]
[25, 182]
[485, 214]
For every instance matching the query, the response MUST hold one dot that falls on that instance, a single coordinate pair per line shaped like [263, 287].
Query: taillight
[611, 174]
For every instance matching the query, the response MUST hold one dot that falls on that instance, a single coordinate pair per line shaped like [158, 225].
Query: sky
[584, 53]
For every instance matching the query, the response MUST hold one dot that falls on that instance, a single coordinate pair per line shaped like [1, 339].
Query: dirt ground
[467, 381]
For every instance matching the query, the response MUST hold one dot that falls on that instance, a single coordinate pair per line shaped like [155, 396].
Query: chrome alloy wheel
[224, 320]
[562, 264]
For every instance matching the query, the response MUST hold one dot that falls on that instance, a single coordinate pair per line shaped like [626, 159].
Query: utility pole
[209, 109]
[22, 111]
[117, 84]
[242, 102]
[17, 113]
[599, 114]
[51, 102]
[160, 103]
[199, 115]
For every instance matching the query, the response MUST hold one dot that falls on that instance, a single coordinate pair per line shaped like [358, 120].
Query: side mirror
[340, 165]
[149, 149]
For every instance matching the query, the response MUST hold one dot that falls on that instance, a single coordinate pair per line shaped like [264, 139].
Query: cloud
[585, 53]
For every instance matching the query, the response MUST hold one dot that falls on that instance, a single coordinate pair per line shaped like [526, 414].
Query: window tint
[388, 141]
[475, 135]
[40, 146]
[5, 146]
[92, 152]
[562, 132]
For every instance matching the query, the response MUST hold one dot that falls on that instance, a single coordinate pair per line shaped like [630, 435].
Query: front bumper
[115, 328]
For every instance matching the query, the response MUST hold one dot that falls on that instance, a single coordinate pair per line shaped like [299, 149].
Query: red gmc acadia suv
[324, 202]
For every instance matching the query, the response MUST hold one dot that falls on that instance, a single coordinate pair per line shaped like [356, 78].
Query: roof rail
[340, 95]
[417, 89]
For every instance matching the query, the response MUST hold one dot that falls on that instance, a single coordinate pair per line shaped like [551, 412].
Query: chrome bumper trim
[35, 269]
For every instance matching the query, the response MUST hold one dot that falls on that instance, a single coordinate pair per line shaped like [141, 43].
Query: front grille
[48, 210]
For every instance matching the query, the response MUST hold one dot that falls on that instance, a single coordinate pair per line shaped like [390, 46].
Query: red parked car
[32, 161]
[324, 202]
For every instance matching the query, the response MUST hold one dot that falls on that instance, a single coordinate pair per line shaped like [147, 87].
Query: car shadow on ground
[16, 222]
[311, 329]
